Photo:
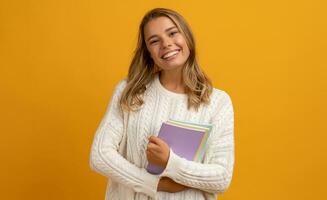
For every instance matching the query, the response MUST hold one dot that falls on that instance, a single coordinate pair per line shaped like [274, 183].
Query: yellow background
[60, 60]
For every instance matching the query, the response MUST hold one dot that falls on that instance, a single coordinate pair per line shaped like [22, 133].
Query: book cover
[187, 140]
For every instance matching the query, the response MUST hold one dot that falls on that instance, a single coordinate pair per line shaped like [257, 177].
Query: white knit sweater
[128, 177]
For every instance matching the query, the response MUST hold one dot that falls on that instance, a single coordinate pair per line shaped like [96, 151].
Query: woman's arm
[215, 174]
[168, 185]
[105, 158]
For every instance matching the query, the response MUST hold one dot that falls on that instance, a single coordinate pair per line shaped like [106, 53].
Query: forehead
[157, 26]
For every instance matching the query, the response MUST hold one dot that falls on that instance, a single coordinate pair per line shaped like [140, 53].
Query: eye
[173, 33]
[153, 41]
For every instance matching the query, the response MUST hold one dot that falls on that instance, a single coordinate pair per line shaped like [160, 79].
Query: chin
[171, 67]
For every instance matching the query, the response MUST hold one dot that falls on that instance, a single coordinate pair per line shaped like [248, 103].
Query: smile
[170, 55]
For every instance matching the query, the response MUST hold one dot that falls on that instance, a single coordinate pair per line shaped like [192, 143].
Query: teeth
[170, 54]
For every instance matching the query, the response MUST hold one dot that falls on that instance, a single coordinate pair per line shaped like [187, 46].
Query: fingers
[157, 151]
[159, 142]
[156, 140]
[153, 147]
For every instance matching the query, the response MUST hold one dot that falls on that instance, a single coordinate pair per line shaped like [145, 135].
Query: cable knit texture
[127, 177]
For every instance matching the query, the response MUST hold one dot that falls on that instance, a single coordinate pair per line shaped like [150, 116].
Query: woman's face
[166, 44]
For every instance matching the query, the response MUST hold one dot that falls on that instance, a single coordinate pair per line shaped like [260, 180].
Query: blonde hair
[142, 70]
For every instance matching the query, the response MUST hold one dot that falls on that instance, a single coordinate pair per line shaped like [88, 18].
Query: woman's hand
[157, 151]
[168, 185]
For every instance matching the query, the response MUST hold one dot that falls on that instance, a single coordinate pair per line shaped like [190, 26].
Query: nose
[166, 42]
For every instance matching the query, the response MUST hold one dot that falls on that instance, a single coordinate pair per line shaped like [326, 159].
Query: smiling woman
[164, 82]
[166, 44]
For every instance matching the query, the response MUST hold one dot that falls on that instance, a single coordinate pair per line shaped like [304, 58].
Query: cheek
[153, 52]
[182, 43]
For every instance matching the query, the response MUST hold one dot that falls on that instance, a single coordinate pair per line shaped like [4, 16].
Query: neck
[172, 80]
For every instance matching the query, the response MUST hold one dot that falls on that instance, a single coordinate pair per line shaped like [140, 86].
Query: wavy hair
[142, 70]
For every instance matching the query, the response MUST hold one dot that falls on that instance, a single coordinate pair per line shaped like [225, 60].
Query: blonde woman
[164, 82]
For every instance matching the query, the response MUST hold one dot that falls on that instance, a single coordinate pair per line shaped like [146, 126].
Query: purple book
[184, 142]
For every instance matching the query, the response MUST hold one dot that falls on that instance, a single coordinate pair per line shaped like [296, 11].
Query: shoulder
[220, 98]
[219, 95]
[120, 86]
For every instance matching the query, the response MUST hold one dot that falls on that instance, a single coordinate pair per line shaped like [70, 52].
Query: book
[186, 140]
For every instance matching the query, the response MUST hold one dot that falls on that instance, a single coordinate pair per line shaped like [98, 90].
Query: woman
[164, 81]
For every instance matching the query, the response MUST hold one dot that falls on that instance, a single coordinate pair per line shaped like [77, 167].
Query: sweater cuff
[150, 184]
[173, 165]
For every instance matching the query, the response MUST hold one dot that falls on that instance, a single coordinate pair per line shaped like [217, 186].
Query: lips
[170, 53]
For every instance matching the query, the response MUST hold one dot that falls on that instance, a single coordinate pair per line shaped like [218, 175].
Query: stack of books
[186, 140]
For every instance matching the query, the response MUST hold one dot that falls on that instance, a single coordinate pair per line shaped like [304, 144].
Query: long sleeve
[105, 158]
[215, 173]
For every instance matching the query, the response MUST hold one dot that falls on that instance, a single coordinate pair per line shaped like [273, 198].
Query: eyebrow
[168, 29]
